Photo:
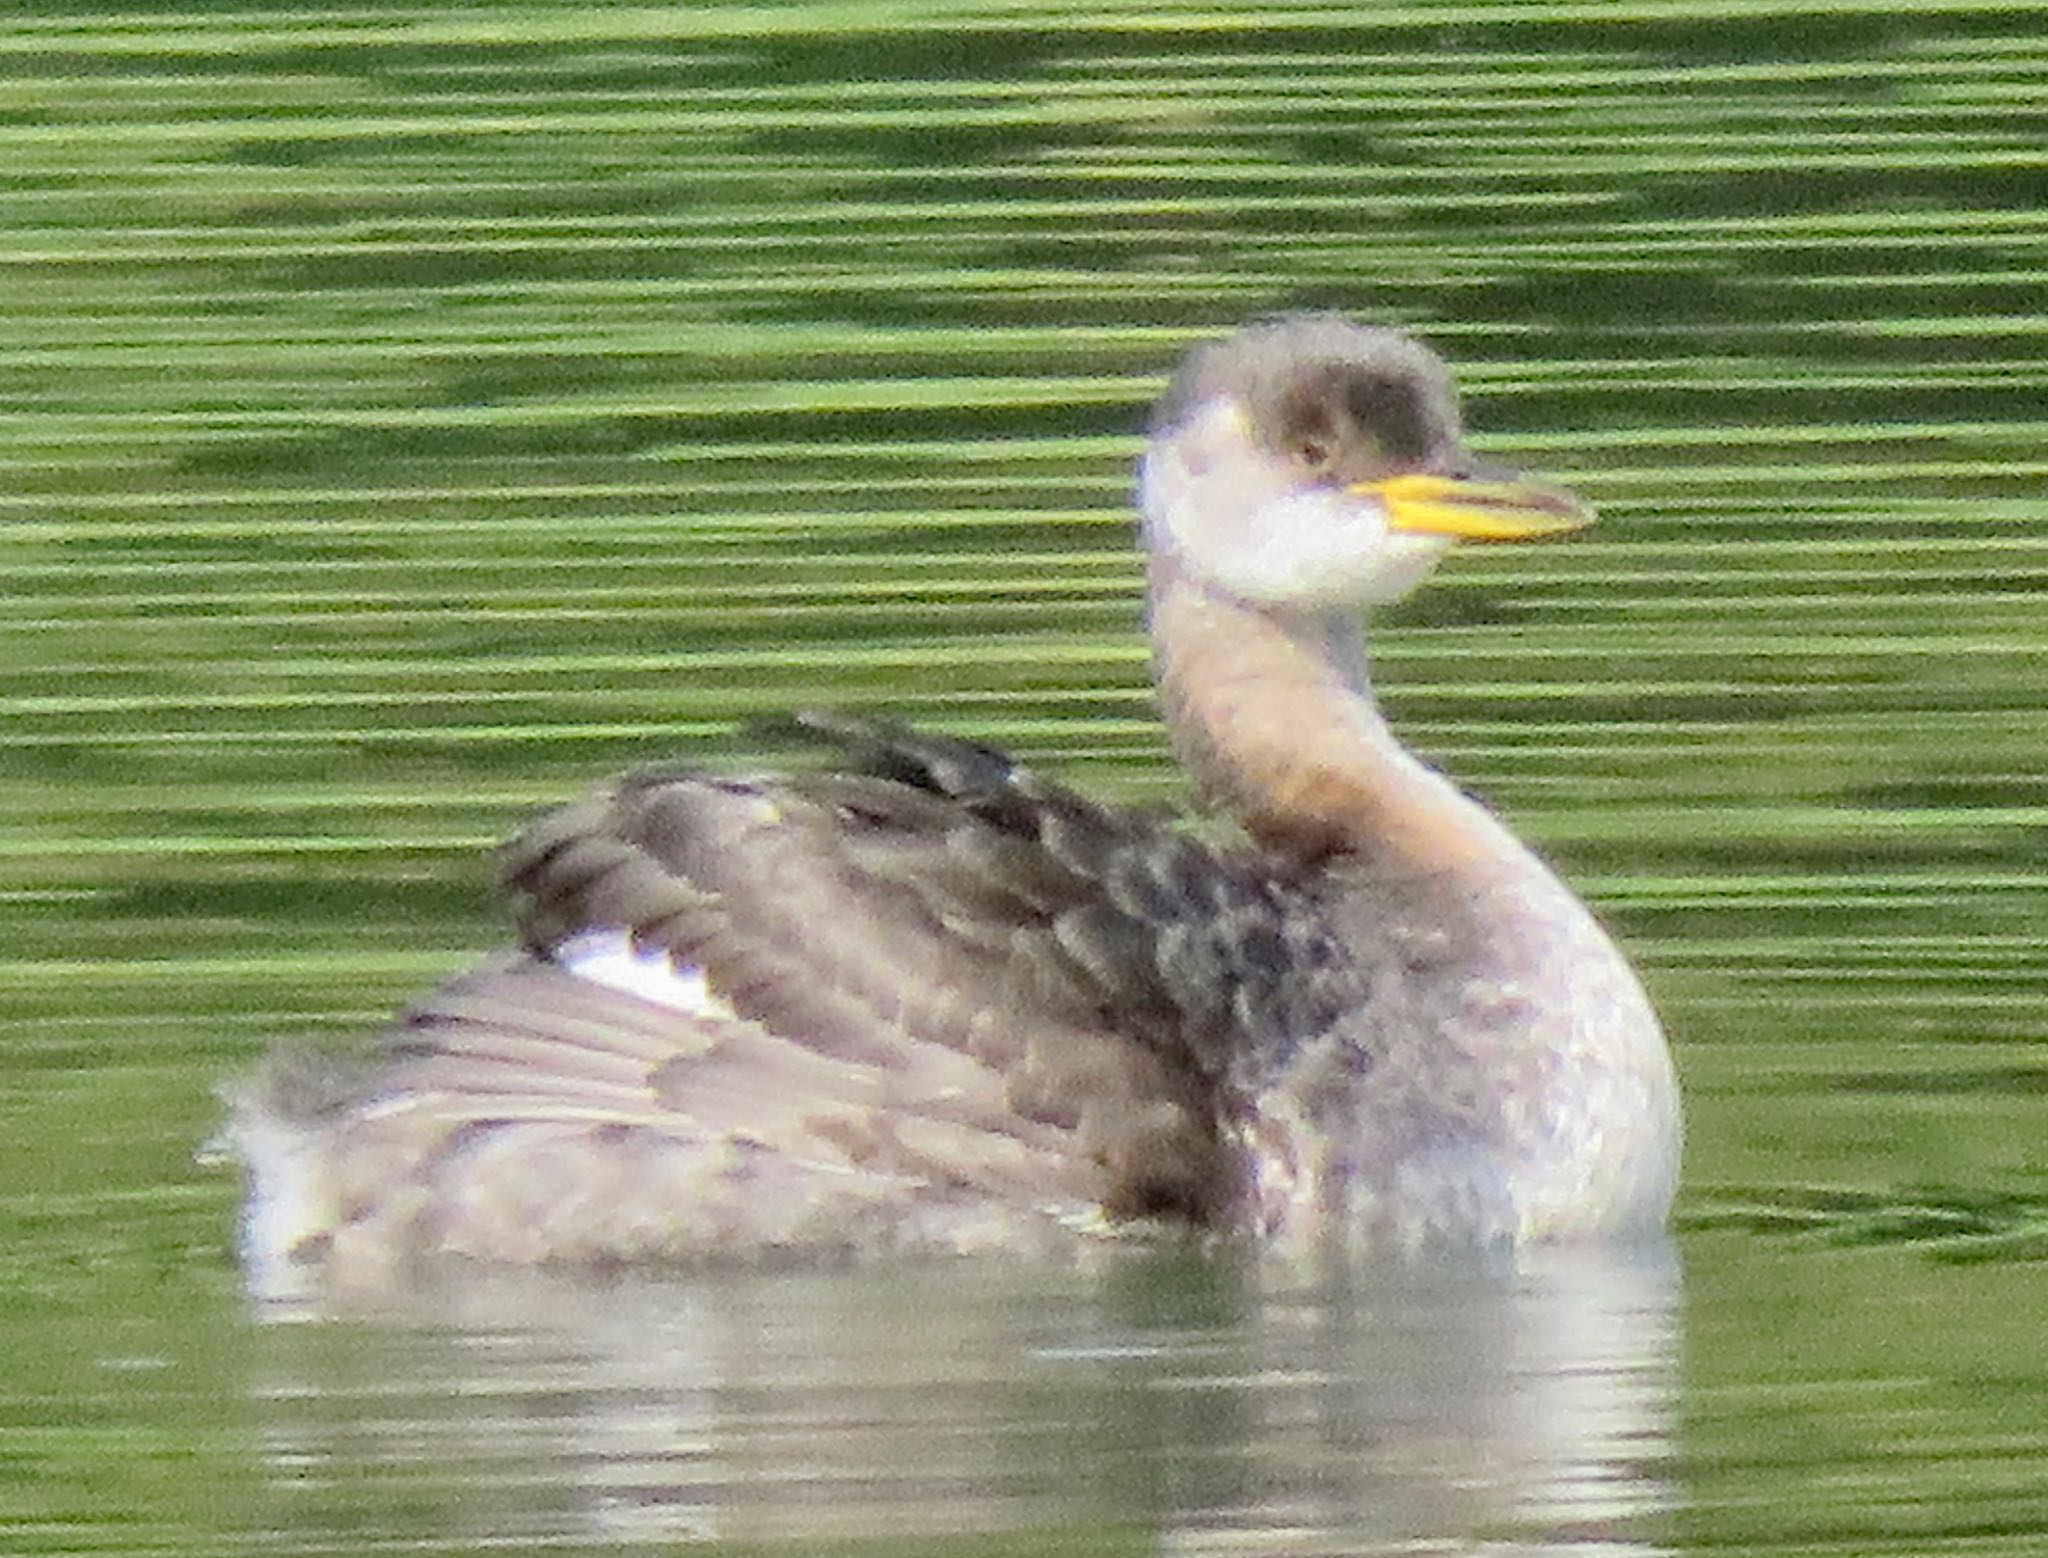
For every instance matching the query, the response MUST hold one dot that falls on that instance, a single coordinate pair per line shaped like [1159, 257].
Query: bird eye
[1312, 453]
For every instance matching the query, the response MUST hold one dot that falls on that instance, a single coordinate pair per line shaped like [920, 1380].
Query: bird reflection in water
[1168, 1403]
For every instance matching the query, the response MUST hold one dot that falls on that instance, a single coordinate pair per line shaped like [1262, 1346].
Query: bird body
[918, 997]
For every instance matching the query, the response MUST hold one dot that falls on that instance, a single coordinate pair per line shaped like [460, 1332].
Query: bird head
[1311, 462]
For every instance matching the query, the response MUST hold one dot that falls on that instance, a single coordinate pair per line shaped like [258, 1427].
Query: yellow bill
[1467, 510]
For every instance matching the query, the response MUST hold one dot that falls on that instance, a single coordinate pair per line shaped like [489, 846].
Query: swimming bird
[918, 996]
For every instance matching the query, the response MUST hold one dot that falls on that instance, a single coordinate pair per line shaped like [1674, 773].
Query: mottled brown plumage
[915, 996]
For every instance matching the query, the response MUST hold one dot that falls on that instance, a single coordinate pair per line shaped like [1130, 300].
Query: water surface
[411, 414]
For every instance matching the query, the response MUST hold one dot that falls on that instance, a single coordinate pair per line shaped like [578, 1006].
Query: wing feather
[1116, 976]
[919, 996]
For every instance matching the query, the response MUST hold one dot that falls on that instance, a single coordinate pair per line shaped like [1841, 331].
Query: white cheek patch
[1207, 468]
[1243, 520]
[1403, 561]
[609, 957]
[1305, 547]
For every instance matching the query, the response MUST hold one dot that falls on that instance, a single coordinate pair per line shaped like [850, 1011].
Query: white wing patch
[608, 957]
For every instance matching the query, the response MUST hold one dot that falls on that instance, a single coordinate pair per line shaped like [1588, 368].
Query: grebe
[921, 998]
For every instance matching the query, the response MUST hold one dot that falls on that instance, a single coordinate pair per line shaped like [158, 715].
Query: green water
[409, 413]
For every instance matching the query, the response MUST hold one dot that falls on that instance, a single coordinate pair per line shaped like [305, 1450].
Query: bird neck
[1273, 715]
